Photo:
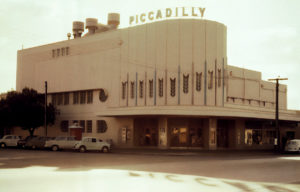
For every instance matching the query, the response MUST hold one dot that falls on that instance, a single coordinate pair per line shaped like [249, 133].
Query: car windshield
[293, 142]
[42, 138]
[30, 137]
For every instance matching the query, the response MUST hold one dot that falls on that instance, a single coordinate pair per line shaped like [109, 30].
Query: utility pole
[277, 112]
[45, 119]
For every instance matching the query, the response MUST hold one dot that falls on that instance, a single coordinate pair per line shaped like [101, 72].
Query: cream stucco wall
[245, 87]
[160, 50]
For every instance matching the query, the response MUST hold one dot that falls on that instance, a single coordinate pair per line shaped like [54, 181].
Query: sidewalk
[193, 152]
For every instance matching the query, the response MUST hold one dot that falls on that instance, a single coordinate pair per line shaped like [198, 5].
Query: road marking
[290, 158]
[53, 179]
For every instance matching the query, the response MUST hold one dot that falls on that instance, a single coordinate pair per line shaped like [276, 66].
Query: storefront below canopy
[208, 133]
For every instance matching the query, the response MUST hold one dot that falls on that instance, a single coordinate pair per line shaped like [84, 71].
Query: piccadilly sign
[167, 13]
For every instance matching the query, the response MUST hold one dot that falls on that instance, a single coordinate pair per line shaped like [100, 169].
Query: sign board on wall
[167, 13]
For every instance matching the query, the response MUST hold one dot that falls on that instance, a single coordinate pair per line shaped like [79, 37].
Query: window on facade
[173, 87]
[57, 52]
[198, 81]
[59, 99]
[151, 88]
[141, 88]
[64, 125]
[89, 96]
[124, 86]
[82, 124]
[185, 83]
[210, 79]
[53, 98]
[67, 51]
[66, 98]
[53, 53]
[75, 97]
[89, 126]
[101, 126]
[161, 87]
[219, 77]
[62, 51]
[132, 89]
[82, 97]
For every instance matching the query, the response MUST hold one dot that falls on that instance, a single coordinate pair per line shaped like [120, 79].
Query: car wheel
[105, 149]
[82, 149]
[54, 148]
[33, 147]
[3, 145]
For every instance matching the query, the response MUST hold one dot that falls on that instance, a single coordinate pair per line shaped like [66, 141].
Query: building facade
[165, 84]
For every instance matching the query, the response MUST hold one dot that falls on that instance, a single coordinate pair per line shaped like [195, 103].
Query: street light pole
[277, 112]
[45, 119]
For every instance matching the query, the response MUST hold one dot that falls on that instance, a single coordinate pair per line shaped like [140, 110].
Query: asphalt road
[152, 170]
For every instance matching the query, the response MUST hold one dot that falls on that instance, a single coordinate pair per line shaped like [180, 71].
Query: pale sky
[262, 35]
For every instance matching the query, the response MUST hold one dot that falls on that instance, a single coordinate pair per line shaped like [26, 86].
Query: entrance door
[146, 131]
[222, 134]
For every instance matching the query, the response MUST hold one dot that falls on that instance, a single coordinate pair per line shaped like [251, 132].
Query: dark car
[37, 142]
[22, 142]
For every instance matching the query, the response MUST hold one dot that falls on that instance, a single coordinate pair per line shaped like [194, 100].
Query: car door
[7, 140]
[93, 144]
[70, 142]
[61, 142]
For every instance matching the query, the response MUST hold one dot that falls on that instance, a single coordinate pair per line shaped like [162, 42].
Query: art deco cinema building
[164, 84]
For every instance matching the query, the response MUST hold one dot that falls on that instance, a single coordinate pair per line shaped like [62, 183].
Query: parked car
[293, 146]
[92, 144]
[22, 142]
[9, 141]
[61, 142]
[37, 142]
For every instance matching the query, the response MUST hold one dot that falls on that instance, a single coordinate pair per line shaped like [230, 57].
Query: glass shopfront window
[259, 133]
[179, 136]
[259, 136]
[186, 132]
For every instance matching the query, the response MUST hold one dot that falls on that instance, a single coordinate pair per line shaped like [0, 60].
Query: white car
[92, 144]
[61, 142]
[293, 146]
[9, 141]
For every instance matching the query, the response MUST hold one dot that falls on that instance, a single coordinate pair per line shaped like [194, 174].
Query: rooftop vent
[113, 20]
[78, 29]
[91, 24]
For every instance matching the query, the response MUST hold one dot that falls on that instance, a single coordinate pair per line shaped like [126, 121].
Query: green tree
[5, 118]
[26, 110]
